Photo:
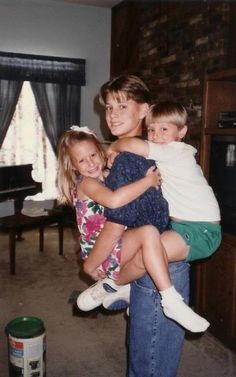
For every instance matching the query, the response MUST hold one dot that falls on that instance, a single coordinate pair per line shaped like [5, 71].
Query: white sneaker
[92, 297]
[117, 300]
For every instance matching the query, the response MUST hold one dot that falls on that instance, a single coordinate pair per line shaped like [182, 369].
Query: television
[222, 178]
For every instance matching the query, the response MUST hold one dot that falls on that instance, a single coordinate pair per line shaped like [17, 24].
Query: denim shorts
[203, 238]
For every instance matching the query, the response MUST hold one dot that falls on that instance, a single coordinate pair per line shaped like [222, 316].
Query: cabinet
[216, 277]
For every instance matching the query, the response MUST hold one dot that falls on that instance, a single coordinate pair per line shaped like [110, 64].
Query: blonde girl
[80, 181]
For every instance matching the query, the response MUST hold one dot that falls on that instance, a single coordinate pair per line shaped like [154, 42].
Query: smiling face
[87, 159]
[162, 132]
[124, 116]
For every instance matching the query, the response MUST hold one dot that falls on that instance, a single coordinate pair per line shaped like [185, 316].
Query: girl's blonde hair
[172, 112]
[67, 176]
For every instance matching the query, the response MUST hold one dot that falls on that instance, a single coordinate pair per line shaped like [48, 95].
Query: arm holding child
[99, 193]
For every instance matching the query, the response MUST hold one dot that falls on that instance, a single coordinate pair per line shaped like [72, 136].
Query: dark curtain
[59, 107]
[24, 67]
[9, 94]
[56, 83]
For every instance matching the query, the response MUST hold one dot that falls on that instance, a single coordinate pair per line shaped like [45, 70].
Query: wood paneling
[125, 38]
[216, 277]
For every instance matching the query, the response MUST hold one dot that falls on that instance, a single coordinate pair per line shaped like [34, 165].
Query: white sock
[175, 308]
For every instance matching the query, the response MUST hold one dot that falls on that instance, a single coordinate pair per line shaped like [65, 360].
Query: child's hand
[111, 155]
[97, 274]
[154, 175]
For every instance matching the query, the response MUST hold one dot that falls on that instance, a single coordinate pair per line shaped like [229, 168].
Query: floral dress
[90, 221]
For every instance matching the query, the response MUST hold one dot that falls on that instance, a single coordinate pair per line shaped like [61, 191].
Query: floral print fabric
[90, 220]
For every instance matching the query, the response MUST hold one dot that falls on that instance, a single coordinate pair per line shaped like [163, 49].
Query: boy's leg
[147, 238]
[143, 251]
[131, 257]
[155, 343]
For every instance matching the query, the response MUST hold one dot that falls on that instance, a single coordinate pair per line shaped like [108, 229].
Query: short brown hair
[129, 85]
[173, 112]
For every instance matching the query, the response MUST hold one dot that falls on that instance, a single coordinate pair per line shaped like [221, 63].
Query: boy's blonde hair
[67, 176]
[169, 112]
[125, 86]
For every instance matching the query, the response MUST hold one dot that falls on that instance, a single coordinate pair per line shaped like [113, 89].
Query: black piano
[16, 183]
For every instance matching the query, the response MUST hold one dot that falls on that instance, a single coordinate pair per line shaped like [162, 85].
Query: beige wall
[57, 28]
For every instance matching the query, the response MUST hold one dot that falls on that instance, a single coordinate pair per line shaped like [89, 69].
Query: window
[49, 101]
[26, 142]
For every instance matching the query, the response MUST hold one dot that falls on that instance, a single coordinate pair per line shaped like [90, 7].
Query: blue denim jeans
[155, 342]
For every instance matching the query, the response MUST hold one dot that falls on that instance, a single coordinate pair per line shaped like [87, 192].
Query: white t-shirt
[184, 186]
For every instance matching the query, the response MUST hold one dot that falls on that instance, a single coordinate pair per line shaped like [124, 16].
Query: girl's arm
[101, 194]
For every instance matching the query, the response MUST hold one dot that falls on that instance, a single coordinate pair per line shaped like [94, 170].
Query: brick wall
[177, 43]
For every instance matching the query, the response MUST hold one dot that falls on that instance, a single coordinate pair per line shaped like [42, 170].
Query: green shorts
[203, 238]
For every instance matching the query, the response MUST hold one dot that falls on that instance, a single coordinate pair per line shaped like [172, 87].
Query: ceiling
[96, 3]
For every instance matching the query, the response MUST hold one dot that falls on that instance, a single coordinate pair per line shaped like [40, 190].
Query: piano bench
[19, 223]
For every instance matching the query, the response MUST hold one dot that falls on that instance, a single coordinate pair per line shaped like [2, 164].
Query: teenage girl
[80, 181]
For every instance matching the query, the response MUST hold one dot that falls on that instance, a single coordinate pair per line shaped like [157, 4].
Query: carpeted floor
[80, 346]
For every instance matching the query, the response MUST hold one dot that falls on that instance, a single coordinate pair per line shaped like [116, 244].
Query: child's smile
[123, 115]
[87, 160]
[163, 132]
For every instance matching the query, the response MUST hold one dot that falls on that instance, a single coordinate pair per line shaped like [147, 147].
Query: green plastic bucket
[26, 347]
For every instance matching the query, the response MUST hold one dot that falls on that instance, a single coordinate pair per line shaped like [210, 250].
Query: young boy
[194, 211]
